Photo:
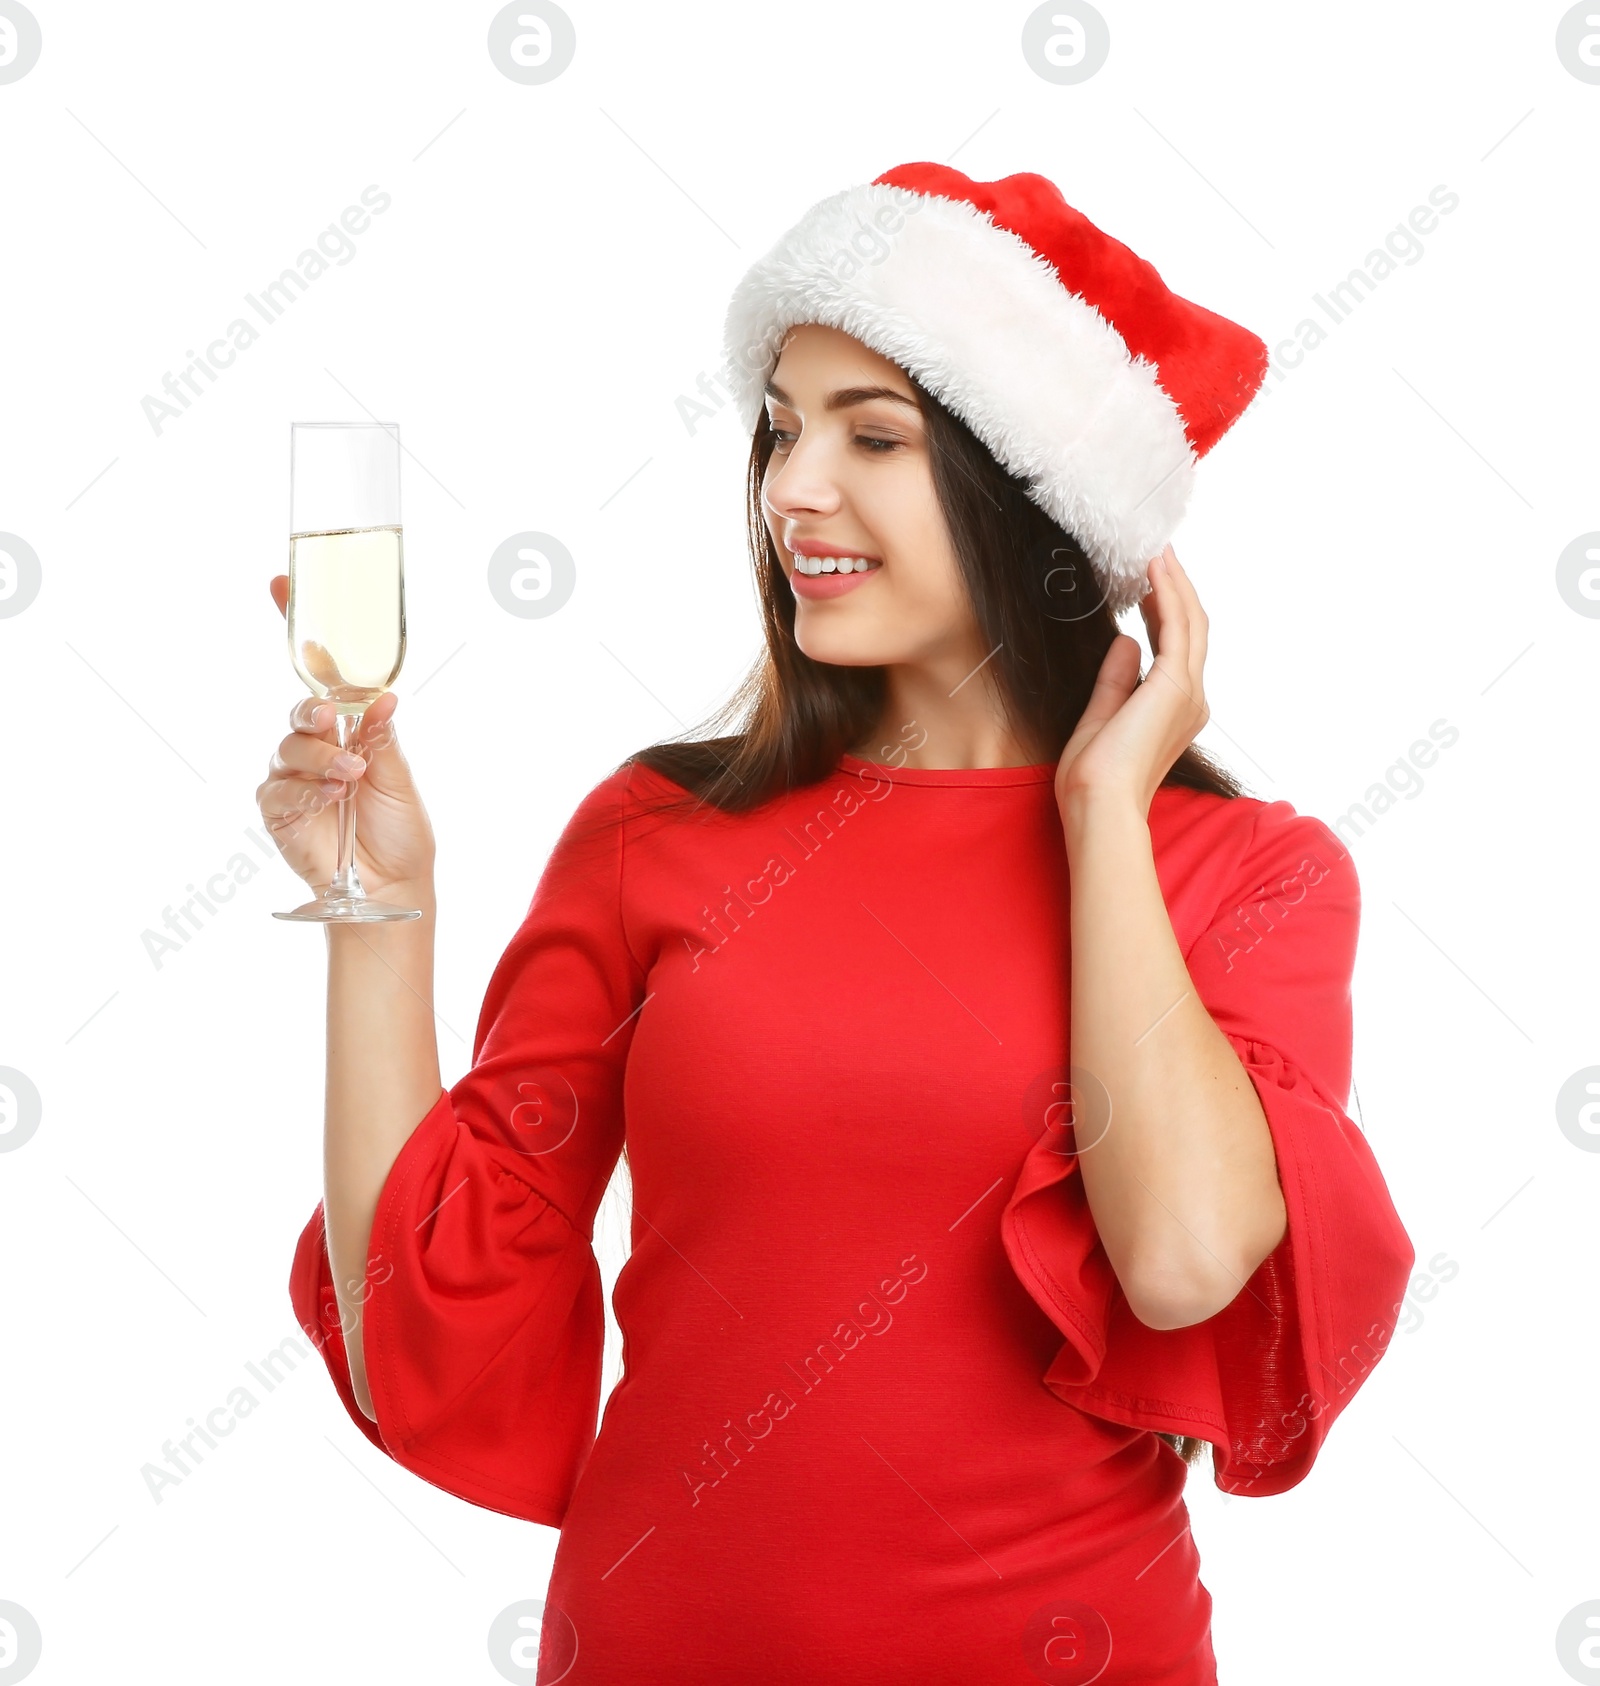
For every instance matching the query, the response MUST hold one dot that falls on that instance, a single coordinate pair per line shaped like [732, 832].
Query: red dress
[885, 1415]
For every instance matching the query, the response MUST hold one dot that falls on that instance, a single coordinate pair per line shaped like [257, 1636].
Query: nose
[798, 483]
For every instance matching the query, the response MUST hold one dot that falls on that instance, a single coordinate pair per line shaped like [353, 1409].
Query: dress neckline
[1038, 773]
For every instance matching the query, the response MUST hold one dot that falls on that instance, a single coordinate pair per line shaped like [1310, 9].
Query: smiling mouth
[835, 564]
[834, 582]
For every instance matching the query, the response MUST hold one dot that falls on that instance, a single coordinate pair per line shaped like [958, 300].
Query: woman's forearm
[1183, 1182]
[382, 1080]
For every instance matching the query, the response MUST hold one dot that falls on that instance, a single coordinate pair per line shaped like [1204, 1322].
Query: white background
[1375, 543]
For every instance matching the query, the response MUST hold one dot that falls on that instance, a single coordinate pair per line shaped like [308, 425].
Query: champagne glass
[347, 609]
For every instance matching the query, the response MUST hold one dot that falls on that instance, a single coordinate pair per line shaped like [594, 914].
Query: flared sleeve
[1264, 1378]
[483, 1320]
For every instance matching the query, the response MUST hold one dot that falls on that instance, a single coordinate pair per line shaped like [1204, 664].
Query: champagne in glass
[347, 613]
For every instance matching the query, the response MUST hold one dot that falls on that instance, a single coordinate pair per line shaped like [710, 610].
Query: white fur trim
[987, 325]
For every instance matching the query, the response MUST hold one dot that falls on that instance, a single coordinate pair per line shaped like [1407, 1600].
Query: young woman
[979, 1050]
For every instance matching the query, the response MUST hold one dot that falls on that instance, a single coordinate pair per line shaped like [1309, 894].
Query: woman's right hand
[299, 798]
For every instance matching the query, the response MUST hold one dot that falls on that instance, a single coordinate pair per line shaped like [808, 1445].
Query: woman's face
[850, 475]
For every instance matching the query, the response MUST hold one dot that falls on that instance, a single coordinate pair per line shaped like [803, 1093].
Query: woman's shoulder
[624, 786]
[1179, 813]
[620, 803]
[1214, 852]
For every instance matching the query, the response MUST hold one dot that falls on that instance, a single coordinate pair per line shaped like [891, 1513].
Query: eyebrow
[845, 396]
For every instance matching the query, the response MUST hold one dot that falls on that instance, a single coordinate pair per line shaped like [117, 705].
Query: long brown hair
[1037, 604]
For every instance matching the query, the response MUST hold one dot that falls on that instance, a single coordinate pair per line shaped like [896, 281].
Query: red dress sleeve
[483, 1321]
[1264, 1378]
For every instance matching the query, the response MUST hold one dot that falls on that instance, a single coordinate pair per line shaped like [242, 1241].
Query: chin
[841, 649]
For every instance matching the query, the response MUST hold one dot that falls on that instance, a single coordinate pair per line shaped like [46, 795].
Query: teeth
[833, 564]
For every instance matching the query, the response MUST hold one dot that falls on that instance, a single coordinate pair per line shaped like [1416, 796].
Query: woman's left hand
[1132, 731]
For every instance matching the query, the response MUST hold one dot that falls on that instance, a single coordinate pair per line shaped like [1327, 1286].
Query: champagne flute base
[348, 910]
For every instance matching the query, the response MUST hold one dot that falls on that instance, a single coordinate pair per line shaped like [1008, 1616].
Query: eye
[782, 439]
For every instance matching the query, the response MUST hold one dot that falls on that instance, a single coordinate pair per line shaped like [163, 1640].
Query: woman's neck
[924, 725]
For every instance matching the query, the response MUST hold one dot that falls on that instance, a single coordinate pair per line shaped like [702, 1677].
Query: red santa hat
[1064, 351]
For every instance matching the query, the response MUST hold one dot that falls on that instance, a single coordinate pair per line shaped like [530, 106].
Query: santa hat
[1062, 350]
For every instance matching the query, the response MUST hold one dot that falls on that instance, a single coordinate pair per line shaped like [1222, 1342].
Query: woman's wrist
[417, 893]
[1093, 809]
[404, 892]
[412, 893]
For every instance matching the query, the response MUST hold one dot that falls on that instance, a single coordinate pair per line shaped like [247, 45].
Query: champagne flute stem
[345, 882]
